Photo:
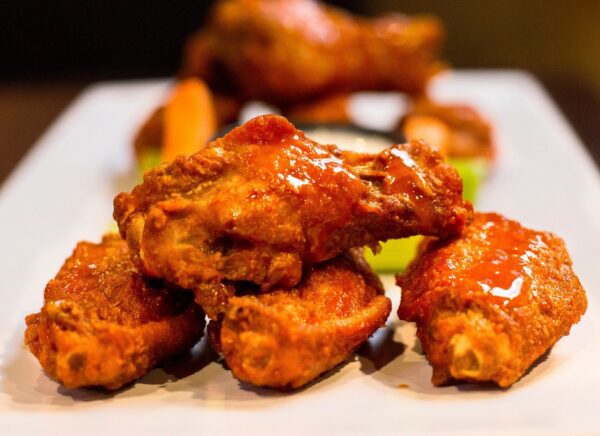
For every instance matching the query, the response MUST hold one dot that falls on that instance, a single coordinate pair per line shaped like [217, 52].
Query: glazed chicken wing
[488, 304]
[103, 324]
[288, 51]
[288, 337]
[263, 200]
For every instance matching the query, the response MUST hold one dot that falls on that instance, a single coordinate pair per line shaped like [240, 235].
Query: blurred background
[52, 50]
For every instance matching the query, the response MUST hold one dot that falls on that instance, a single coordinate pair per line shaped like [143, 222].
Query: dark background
[50, 50]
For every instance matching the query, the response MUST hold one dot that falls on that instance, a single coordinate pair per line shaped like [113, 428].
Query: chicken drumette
[103, 324]
[288, 337]
[489, 303]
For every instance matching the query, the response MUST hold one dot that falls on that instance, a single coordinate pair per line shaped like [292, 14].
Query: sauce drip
[403, 178]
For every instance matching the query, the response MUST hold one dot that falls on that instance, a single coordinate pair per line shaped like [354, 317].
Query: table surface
[28, 108]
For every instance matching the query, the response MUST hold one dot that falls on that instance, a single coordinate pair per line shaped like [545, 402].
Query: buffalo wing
[288, 337]
[488, 304]
[264, 200]
[103, 324]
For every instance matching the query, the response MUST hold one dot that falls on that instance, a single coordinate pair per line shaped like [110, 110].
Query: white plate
[62, 193]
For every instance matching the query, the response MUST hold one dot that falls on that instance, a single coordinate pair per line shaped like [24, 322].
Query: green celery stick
[149, 158]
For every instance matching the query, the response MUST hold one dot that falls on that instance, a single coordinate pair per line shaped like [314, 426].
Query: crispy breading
[265, 50]
[103, 324]
[489, 303]
[264, 200]
[287, 337]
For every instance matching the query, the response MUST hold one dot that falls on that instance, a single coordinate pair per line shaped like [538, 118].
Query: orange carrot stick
[190, 119]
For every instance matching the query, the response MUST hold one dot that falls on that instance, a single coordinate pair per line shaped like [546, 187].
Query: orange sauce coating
[403, 177]
[315, 178]
[502, 271]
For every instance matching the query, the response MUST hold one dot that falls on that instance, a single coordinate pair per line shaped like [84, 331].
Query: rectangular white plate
[62, 193]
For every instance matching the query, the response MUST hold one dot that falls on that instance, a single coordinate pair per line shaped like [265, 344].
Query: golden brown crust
[264, 200]
[288, 337]
[103, 324]
[264, 50]
[489, 303]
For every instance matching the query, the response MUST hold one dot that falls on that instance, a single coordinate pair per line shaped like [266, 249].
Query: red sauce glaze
[298, 168]
[316, 179]
[326, 189]
[403, 178]
[501, 267]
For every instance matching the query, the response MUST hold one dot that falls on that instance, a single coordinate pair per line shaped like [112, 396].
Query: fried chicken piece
[460, 131]
[263, 200]
[289, 51]
[104, 324]
[488, 304]
[330, 109]
[288, 337]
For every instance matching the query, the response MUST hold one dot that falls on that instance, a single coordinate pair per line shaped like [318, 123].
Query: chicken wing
[288, 337]
[460, 131]
[488, 304]
[103, 324]
[258, 203]
[331, 109]
[265, 50]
